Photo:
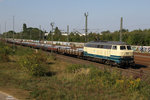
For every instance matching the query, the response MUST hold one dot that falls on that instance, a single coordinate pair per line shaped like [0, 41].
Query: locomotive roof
[107, 42]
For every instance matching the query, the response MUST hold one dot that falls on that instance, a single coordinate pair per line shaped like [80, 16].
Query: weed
[5, 51]
[74, 68]
[34, 64]
[52, 56]
[71, 82]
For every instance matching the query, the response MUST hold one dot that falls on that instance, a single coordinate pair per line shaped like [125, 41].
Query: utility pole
[52, 25]
[86, 26]
[21, 34]
[121, 26]
[13, 32]
[5, 31]
[13, 26]
[0, 28]
[0, 31]
[39, 33]
[30, 34]
[43, 34]
[67, 33]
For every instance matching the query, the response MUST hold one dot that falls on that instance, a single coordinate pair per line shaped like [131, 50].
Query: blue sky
[103, 14]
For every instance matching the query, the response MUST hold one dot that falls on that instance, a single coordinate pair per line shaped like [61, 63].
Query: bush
[5, 51]
[34, 64]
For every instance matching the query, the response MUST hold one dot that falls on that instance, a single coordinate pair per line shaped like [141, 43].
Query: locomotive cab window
[122, 48]
[129, 47]
[114, 47]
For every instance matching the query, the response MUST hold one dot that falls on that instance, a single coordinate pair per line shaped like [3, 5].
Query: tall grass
[73, 82]
[5, 51]
[95, 84]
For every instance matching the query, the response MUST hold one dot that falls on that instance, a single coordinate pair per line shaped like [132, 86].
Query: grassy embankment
[30, 75]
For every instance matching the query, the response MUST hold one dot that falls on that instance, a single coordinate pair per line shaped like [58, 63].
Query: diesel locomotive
[110, 52]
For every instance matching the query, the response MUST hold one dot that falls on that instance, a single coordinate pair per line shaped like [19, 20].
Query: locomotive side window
[88, 45]
[122, 48]
[107, 46]
[100, 46]
[114, 47]
[129, 47]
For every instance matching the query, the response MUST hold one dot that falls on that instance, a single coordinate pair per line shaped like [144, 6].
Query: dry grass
[19, 93]
[68, 82]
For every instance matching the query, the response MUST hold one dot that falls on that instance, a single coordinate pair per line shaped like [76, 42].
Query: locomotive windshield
[114, 47]
[129, 47]
[122, 48]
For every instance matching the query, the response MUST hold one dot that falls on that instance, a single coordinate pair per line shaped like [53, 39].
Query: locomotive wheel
[107, 62]
[103, 61]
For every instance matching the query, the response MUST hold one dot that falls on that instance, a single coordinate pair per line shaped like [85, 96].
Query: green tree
[57, 34]
[24, 27]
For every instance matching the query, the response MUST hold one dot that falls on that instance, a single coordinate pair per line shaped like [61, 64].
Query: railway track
[139, 71]
[142, 68]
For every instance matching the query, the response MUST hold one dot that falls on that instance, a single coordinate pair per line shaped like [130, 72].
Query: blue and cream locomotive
[110, 52]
